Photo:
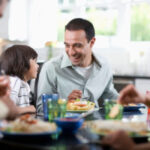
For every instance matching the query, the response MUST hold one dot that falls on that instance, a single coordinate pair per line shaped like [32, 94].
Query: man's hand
[4, 85]
[119, 141]
[130, 95]
[75, 94]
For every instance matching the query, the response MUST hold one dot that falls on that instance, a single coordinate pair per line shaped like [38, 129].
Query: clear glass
[62, 104]
[56, 109]
[113, 110]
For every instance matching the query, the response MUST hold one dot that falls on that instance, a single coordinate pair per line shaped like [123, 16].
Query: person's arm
[12, 108]
[4, 110]
[8, 109]
[121, 141]
[130, 95]
[27, 109]
[46, 84]
[4, 85]
[145, 146]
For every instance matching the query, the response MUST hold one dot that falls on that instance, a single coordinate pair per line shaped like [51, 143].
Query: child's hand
[31, 109]
[27, 109]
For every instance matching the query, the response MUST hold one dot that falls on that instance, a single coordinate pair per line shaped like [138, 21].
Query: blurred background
[122, 31]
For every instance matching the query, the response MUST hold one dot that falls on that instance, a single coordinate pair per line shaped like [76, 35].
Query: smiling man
[79, 72]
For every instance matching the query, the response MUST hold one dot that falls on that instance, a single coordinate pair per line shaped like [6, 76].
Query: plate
[105, 127]
[82, 111]
[134, 108]
[7, 134]
[132, 134]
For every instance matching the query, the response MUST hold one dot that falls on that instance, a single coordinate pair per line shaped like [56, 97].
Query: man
[7, 107]
[79, 73]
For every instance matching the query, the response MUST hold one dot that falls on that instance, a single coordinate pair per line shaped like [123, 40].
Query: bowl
[69, 124]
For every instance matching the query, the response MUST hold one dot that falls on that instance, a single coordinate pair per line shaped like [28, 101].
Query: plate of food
[28, 127]
[133, 107]
[79, 105]
[105, 127]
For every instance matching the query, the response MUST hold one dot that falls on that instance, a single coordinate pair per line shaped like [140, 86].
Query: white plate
[29, 135]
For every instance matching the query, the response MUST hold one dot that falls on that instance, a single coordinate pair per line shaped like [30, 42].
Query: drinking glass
[56, 109]
[62, 104]
[113, 110]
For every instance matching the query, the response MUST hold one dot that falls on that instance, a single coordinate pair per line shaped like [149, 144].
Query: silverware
[88, 112]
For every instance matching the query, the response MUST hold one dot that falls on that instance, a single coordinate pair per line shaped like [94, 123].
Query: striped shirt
[19, 92]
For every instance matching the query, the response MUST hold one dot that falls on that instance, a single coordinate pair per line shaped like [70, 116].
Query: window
[140, 22]
[116, 22]
[104, 20]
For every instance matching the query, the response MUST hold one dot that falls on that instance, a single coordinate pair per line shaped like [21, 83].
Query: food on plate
[28, 124]
[130, 104]
[108, 126]
[80, 105]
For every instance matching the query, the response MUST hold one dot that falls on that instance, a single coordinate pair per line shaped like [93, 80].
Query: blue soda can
[45, 98]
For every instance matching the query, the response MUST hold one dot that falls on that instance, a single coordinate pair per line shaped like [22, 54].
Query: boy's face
[33, 70]
[2, 6]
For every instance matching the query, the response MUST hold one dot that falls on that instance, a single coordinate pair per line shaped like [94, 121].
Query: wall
[4, 24]
[123, 62]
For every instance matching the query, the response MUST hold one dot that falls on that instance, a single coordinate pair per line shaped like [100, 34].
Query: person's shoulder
[15, 81]
[53, 63]
[102, 61]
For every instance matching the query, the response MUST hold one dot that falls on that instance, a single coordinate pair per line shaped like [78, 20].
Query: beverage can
[45, 98]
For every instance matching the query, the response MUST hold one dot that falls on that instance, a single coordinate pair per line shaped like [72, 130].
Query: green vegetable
[78, 99]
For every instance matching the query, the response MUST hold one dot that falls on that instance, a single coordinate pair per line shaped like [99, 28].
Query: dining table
[83, 139]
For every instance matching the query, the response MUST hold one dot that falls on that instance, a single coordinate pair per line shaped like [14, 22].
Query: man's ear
[92, 42]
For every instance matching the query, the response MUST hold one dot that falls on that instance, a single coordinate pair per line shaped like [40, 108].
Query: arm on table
[27, 109]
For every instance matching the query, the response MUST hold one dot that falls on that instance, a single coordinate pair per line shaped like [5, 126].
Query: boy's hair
[15, 61]
[81, 24]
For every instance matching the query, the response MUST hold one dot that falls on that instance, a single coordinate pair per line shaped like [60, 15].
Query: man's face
[78, 49]
[2, 7]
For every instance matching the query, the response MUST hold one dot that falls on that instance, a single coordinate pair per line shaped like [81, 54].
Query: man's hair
[15, 61]
[82, 24]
